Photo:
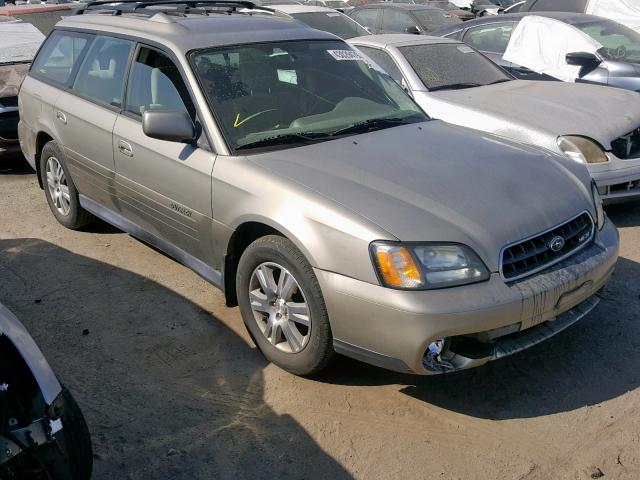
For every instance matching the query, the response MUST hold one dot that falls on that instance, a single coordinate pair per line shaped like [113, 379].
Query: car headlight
[597, 200]
[426, 266]
[582, 149]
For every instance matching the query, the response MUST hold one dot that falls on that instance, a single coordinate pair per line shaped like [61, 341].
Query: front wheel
[282, 306]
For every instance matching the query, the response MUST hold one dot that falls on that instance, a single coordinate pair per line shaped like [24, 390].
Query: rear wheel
[282, 306]
[59, 189]
[77, 439]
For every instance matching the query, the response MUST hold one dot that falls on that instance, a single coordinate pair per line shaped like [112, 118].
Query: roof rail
[118, 7]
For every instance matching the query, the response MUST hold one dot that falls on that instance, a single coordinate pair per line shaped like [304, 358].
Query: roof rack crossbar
[117, 7]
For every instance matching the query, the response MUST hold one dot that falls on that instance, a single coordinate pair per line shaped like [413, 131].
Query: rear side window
[101, 76]
[156, 84]
[384, 61]
[59, 56]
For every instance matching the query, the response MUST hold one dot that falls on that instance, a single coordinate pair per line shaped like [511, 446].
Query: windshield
[452, 66]
[332, 22]
[443, 4]
[434, 18]
[278, 95]
[619, 43]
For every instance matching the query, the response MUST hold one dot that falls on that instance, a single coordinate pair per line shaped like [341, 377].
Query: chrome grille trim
[535, 246]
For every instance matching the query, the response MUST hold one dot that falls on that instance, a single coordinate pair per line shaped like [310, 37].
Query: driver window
[490, 38]
[155, 84]
[396, 21]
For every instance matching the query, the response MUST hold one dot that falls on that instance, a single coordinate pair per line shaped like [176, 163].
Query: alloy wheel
[58, 187]
[279, 307]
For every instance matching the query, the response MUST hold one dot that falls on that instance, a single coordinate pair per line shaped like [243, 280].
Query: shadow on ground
[595, 360]
[14, 164]
[168, 390]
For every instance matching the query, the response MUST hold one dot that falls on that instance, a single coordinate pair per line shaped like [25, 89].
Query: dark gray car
[616, 64]
[402, 18]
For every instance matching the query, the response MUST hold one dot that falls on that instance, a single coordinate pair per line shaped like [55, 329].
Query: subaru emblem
[557, 243]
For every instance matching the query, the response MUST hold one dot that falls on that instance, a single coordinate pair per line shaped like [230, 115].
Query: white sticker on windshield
[465, 49]
[345, 55]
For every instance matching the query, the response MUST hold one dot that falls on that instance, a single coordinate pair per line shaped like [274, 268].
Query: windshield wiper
[374, 124]
[286, 139]
[502, 80]
[455, 86]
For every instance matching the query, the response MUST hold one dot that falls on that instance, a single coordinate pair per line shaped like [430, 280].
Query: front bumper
[617, 180]
[394, 329]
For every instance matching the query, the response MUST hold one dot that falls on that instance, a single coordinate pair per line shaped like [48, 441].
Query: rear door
[163, 187]
[86, 114]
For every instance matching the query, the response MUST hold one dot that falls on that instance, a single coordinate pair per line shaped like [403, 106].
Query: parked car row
[291, 171]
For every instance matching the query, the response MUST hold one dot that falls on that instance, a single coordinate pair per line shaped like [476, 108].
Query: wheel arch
[244, 235]
[42, 138]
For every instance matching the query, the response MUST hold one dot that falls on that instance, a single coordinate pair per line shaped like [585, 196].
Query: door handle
[124, 148]
[61, 116]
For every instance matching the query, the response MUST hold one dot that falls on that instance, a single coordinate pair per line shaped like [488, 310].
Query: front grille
[536, 253]
[627, 146]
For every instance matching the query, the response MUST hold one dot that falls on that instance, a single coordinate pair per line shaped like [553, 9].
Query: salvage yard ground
[173, 388]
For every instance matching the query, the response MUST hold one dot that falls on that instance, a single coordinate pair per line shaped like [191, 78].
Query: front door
[163, 187]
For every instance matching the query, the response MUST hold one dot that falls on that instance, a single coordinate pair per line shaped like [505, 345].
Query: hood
[441, 183]
[601, 113]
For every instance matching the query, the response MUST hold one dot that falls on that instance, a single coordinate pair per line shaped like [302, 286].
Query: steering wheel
[616, 53]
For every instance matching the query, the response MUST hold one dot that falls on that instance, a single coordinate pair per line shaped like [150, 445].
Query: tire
[77, 439]
[66, 204]
[316, 348]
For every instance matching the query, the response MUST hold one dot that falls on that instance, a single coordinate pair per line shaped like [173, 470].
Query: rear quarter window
[59, 56]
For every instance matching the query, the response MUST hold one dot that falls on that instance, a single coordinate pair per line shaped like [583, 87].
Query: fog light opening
[435, 358]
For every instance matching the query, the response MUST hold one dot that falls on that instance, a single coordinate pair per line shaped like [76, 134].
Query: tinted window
[454, 65]
[156, 84]
[332, 22]
[384, 61]
[394, 20]
[434, 19]
[298, 92]
[367, 17]
[101, 76]
[60, 54]
[492, 38]
[619, 43]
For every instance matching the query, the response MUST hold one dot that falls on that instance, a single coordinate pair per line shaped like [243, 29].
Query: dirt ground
[172, 387]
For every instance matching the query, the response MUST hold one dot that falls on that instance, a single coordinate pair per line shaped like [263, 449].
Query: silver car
[279, 164]
[593, 125]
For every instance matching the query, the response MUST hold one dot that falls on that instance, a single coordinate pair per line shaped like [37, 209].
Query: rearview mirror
[413, 30]
[169, 125]
[582, 59]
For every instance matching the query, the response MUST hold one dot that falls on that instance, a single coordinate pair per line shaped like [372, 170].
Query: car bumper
[395, 329]
[617, 180]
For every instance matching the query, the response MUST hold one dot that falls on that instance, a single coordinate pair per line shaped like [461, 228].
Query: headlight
[582, 149]
[426, 266]
[597, 200]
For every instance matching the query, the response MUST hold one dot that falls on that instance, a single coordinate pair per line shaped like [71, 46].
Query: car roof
[570, 18]
[192, 31]
[400, 39]
[289, 9]
[402, 6]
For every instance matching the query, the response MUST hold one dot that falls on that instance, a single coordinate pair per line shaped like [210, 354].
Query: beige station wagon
[279, 164]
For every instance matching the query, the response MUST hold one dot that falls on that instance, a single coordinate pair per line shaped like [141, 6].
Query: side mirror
[169, 125]
[414, 30]
[582, 59]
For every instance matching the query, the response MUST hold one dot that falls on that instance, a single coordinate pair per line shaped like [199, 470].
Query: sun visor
[626, 12]
[19, 41]
[541, 44]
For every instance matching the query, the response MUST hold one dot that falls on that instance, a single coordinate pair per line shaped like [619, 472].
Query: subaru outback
[289, 171]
